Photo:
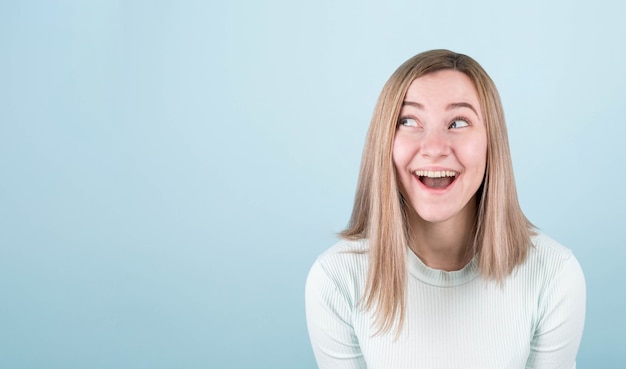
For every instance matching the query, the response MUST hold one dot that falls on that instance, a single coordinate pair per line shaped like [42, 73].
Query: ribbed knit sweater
[453, 319]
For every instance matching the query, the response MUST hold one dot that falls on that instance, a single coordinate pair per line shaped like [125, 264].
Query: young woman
[439, 267]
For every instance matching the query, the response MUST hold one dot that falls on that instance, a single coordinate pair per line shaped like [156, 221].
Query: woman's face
[440, 147]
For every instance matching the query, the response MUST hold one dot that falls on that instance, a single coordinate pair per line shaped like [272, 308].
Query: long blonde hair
[502, 232]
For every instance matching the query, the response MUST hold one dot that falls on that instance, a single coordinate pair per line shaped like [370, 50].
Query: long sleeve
[329, 322]
[561, 320]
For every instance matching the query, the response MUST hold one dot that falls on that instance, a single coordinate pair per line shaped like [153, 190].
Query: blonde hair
[502, 233]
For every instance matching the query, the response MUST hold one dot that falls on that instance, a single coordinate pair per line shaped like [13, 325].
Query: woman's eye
[459, 123]
[408, 122]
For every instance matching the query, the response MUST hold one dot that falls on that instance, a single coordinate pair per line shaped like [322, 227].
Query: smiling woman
[439, 267]
[440, 153]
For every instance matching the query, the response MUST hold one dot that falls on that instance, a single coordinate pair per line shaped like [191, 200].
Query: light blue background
[170, 170]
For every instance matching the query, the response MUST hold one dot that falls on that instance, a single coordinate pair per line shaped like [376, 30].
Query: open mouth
[437, 179]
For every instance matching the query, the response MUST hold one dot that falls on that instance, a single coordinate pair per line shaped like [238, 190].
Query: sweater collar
[441, 278]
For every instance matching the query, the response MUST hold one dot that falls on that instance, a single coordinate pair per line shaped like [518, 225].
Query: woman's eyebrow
[412, 103]
[462, 105]
[451, 106]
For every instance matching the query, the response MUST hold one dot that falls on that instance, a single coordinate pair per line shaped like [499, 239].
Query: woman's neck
[443, 245]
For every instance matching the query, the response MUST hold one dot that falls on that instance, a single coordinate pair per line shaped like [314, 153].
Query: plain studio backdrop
[171, 169]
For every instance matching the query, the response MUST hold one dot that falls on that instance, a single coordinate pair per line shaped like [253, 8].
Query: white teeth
[435, 173]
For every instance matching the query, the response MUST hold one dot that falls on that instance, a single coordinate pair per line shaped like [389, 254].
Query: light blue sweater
[453, 319]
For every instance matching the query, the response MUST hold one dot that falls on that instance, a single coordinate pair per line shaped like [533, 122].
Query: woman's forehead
[443, 89]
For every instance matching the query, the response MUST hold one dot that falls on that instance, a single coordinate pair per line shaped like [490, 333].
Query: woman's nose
[435, 143]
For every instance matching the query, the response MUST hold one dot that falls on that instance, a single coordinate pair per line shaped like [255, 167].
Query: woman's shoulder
[345, 258]
[549, 258]
[546, 249]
